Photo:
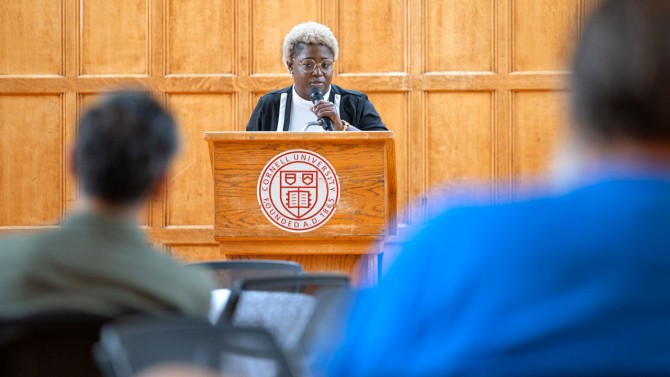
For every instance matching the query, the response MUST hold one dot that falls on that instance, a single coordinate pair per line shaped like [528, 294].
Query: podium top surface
[274, 135]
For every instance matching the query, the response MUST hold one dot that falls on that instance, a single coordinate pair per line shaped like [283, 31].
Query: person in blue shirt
[573, 282]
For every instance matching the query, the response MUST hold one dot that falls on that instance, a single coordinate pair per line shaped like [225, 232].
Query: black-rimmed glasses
[309, 65]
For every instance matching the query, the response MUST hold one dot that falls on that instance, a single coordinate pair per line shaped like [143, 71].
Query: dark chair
[227, 272]
[49, 344]
[131, 345]
[283, 305]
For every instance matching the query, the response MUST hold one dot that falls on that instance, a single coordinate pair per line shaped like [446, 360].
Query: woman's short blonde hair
[309, 33]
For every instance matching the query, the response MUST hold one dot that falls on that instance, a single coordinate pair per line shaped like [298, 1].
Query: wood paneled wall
[472, 89]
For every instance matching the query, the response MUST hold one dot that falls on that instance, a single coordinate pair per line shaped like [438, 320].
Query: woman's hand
[325, 109]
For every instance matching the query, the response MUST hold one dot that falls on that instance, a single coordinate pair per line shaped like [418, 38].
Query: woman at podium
[312, 103]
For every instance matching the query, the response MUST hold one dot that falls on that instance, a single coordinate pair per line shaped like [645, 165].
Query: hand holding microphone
[316, 96]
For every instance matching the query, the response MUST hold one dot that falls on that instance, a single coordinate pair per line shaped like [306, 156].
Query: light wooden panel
[395, 107]
[30, 183]
[196, 253]
[468, 87]
[377, 46]
[271, 22]
[345, 263]
[201, 36]
[460, 141]
[31, 35]
[114, 37]
[539, 119]
[190, 189]
[543, 31]
[460, 35]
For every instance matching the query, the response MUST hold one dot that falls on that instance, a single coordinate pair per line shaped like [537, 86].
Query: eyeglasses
[309, 65]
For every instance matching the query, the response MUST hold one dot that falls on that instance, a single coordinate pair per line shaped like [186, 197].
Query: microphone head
[315, 94]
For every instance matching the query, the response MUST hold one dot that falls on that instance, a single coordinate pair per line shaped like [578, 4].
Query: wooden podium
[276, 197]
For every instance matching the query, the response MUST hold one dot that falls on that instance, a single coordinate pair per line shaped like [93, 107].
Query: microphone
[316, 96]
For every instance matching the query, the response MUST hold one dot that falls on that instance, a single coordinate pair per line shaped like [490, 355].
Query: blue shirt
[575, 284]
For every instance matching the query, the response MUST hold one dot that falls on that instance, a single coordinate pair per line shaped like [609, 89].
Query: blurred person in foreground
[572, 283]
[98, 261]
[176, 369]
[309, 52]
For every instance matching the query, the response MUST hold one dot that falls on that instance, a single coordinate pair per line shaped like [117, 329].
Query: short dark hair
[124, 146]
[621, 72]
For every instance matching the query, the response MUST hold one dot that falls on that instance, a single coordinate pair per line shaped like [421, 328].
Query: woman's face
[305, 81]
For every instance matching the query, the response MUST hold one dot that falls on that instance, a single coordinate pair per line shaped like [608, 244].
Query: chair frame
[113, 358]
[266, 283]
[255, 263]
[276, 266]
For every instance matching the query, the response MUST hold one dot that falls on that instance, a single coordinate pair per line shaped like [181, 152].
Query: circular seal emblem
[298, 190]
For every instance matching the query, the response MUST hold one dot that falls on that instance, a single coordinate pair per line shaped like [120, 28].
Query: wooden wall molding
[499, 64]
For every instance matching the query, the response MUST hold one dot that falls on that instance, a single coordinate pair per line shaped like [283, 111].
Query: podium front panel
[360, 169]
[246, 166]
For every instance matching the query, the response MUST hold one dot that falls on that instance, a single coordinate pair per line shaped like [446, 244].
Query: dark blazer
[274, 110]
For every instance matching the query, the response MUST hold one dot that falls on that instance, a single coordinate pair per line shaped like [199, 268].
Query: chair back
[226, 273]
[129, 346]
[49, 344]
[283, 305]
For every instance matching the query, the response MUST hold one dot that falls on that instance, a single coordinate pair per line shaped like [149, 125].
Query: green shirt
[97, 264]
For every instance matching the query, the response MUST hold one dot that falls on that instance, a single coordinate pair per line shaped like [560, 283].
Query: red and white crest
[298, 190]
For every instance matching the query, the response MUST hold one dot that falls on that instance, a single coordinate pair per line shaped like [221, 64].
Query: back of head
[621, 72]
[124, 147]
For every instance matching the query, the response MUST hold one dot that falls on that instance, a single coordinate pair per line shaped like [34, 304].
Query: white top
[219, 298]
[301, 113]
